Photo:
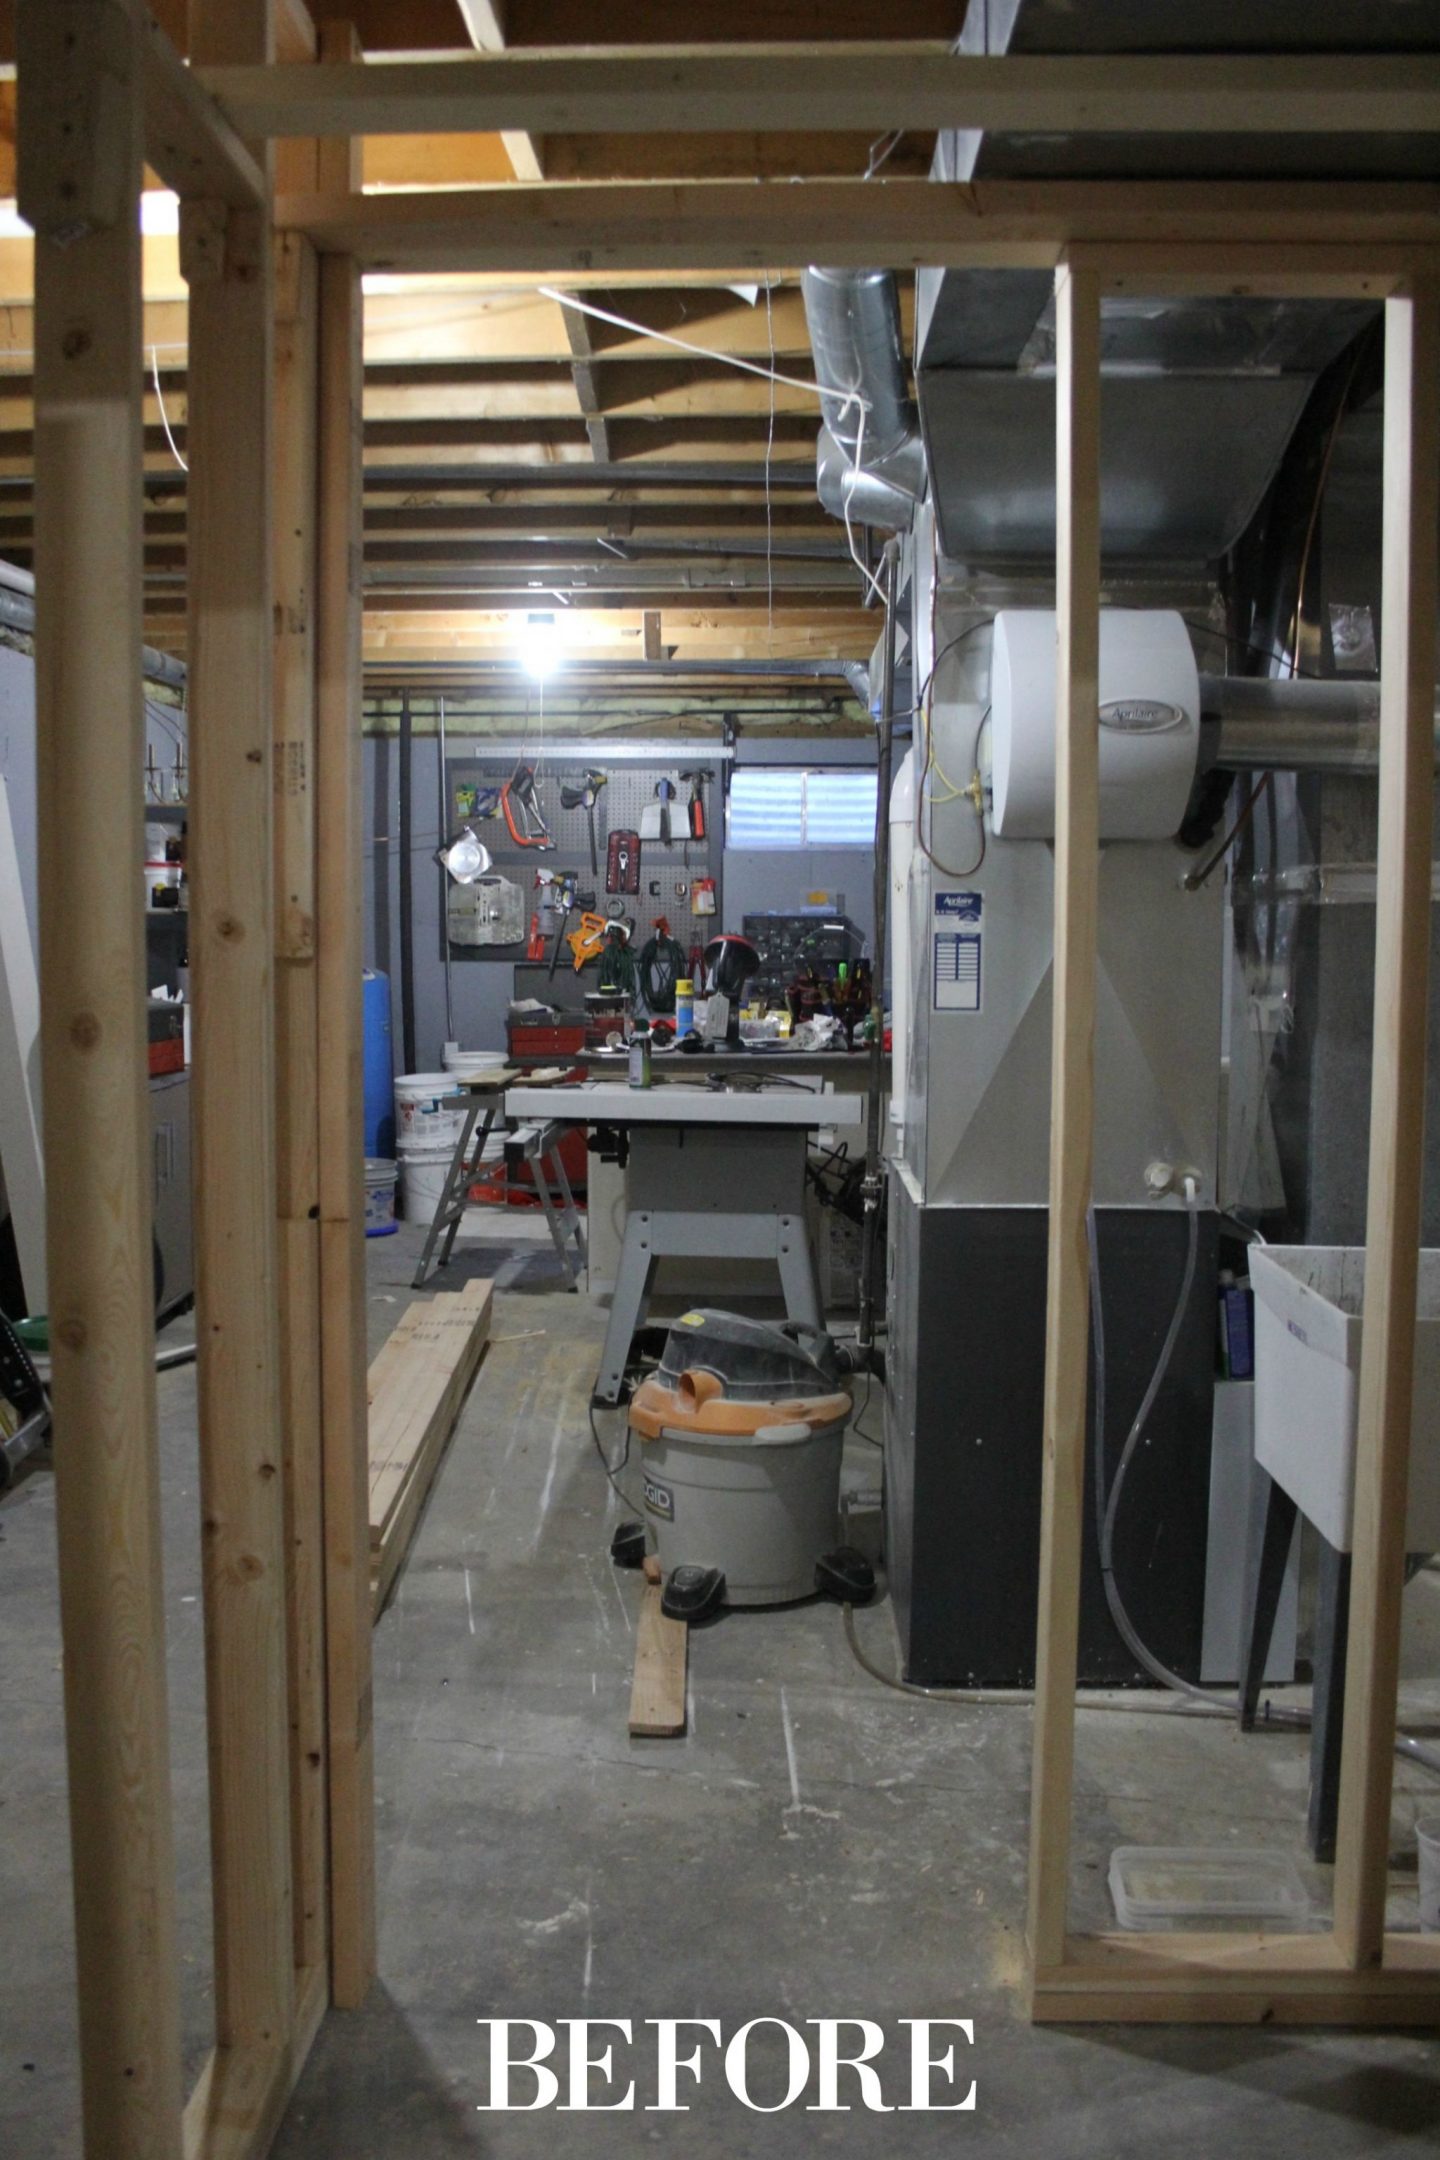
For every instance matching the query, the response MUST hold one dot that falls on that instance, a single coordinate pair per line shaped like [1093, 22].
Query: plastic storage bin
[1181, 1886]
[1308, 1301]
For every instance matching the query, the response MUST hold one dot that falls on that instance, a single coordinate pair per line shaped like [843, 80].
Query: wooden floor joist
[417, 1388]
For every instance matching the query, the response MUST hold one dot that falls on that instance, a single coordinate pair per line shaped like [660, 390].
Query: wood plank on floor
[417, 1387]
[657, 1697]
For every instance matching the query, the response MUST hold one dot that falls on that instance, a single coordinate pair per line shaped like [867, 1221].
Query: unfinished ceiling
[521, 454]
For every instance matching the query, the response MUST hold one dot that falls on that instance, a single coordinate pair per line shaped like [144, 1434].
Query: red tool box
[529, 1043]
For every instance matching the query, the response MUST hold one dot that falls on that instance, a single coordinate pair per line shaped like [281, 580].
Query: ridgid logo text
[831, 2066]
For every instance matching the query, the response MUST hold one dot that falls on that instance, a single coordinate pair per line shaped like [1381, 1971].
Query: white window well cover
[780, 807]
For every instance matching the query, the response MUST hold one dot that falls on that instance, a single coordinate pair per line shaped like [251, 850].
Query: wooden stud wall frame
[275, 940]
[274, 713]
[1356, 1974]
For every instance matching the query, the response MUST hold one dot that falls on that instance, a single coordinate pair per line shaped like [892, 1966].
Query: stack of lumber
[417, 1388]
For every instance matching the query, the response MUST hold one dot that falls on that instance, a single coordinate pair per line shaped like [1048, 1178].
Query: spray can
[684, 1006]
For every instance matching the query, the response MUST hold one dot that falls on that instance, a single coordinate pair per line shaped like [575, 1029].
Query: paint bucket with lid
[428, 1110]
[379, 1196]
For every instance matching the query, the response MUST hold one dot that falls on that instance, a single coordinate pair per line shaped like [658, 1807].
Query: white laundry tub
[1308, 1303]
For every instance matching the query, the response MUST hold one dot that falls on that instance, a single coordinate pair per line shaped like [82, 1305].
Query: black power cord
[612, 1470]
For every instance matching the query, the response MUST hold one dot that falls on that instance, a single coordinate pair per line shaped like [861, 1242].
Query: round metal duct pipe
[870, 459]
[873, 496]
[1261, 723]
[854, 321]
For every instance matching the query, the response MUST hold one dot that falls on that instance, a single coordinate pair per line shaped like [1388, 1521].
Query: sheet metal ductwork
[1202, 393]
[870, 456]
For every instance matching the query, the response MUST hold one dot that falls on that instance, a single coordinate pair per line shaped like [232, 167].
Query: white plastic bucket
[423, 1171]
[427, 1110]
[471, 1064]
[379, 1196]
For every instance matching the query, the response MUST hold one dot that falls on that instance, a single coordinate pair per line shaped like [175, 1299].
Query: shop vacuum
[741, 1429]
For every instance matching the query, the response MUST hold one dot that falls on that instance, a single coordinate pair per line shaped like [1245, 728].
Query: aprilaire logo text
[830, 2066]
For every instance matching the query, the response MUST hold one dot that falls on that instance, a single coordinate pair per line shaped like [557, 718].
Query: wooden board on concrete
[417, 1388]
[657, 1698]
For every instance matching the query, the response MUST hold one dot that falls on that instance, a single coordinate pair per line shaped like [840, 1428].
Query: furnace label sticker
[957, 962]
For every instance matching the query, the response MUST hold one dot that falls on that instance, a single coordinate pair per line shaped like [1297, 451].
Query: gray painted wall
[481, 989]
[780, 878]
[17, 765]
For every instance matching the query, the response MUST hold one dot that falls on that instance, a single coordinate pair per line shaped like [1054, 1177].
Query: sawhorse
[486, 1096]
[539, 1145]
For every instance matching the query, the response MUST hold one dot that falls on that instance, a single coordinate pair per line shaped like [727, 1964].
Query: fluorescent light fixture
[538, 646]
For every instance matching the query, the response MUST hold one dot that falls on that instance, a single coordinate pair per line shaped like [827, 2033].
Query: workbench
[847, 1069]
[713, 1173]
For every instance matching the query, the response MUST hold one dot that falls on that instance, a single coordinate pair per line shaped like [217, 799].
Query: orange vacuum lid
[697, 1404]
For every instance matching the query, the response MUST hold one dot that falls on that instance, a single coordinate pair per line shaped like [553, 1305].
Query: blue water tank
[379, 1066]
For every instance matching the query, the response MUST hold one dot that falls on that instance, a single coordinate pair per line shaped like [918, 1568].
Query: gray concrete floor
[816, 1845]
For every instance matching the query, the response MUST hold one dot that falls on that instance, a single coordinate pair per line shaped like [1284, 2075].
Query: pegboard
[628, 788]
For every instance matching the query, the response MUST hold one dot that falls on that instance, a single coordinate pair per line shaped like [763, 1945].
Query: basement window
[779, 807]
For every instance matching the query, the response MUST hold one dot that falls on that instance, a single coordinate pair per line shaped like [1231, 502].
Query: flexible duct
[870, 456]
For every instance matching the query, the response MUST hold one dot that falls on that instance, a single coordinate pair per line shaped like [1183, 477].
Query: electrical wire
[700, 352]
[1312, 527]
[160, 715]
[923, 710]
[612, 1470]
[769, 491]
[881, 151]
[923, 796]
[863, 1412]
[847, 485]
[1194, 879]
[1228, 638]
[164, 416]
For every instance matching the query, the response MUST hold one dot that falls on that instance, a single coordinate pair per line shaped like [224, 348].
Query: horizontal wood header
[872, 85]
[602, 234]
